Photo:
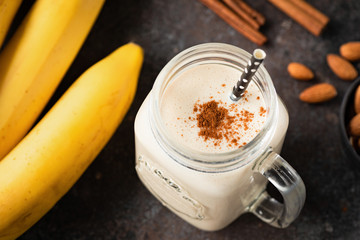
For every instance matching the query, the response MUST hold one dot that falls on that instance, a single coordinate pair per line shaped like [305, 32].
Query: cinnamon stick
[233, 20]
[322, 18]
[303, 13]
[251, 12]
[236, 7]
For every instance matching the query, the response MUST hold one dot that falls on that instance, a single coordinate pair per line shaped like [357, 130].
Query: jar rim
[196, 159]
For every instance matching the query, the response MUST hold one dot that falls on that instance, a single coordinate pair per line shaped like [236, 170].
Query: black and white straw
[245, 78]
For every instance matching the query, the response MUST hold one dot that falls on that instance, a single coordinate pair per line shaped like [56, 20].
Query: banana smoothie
[197, 151]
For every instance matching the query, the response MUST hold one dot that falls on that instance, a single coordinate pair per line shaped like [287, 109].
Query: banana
[54, 154]
[8, 9]
[35, 60]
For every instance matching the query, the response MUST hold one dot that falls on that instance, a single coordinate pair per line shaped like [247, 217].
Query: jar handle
[288, 183]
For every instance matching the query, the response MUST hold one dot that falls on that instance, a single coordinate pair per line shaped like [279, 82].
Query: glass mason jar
[210, 190]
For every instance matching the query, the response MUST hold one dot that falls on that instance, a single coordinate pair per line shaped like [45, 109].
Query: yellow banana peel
[8, 9]
[55, 153]
[35, 60]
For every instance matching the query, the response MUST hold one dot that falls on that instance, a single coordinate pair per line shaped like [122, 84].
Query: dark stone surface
[109, 202]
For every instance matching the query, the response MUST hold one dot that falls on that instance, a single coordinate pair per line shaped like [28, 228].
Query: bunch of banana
[8, 9]
[35, 60]
[54, 154]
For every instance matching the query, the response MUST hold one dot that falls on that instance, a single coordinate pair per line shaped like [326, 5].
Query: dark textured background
[109, 201]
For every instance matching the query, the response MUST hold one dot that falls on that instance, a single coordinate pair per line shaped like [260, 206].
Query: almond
[357, 100]
[355, 126]
[355, 143]
[341, 67]
[350, 51]
[318, 93]
[300, 71]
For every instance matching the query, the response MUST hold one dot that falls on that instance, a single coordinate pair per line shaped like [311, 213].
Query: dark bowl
[346, 113]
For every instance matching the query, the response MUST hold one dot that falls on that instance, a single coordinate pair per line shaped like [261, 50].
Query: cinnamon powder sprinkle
[215, 123]
[262, 111]
[212, 119]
